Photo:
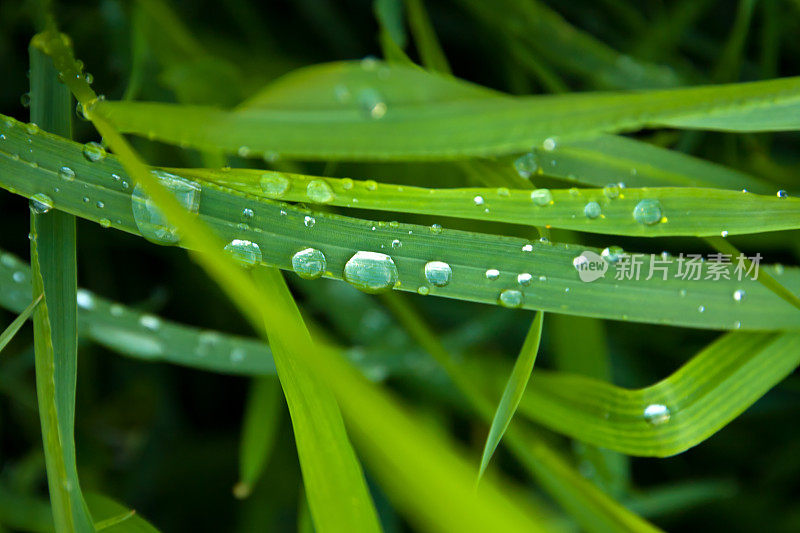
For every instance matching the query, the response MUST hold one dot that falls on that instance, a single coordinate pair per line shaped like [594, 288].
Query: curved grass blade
[686, 408]
[512, 394]
[114, 517]
[686, 211]
[334, 483]
[13, 328]
[455, 128]
[55, 319]
[281, 230]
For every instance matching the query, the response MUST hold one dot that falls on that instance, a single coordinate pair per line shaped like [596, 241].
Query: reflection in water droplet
[150, 220]
[438, 273]
[656, 414]
[647, 212]
[245, 252]
[510, 298]
[371, 272]
[319, 191]
[309, 263]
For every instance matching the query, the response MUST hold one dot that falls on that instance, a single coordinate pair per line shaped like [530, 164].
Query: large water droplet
[93, 152]
[319, 191]
[66, 174]
[657, 414]
[526, 165]
[371, 272]
[592, 210]
[309, 263]
[542, 197]
[245, 252]
[510, 298]
[150, 220]
[41, 203]
[438, 273]
[647, 212]
[274, 185]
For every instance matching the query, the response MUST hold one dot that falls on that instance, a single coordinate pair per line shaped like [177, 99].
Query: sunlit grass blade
[376, 128]
[513, 391]
[673, 415]
[281, 230]
[53, 261]
[686, 211]
[13, 328]
[262, 418]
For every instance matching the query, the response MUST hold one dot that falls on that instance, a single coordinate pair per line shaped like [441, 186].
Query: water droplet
[18, 276]
[274, 185]
[85, 299]
[116, 310]
[369, 63]
[423, 290]
[397, 243]
[782, 194]
[478, 200]
[612, 254]
[25, 99]
[438, 273]
[373, 103]
[738, 295]
[247, 212]
[245, 252]
[100, 205]
[436, 229]
[503, 192]
[150, 322]
[549, 144]
[309, 263]
[371, 185]
[656, 414]
[611, 191]
[206, 342]
[510, 298]
[243, 151]
[527, 248]
[371, 272]
[32, 128]
[647, 212]
[524, 279]
[542, 197]
[701, 309]
[93, 152]
[592, 210]
[319, 191]
[526, 165]
[40, 203]
[80, 111]
[66, 174]
[237, 355]
[347, 184]
[723, 233]
[104, 223]
[492, 274]
[150, 220]
[309, 221]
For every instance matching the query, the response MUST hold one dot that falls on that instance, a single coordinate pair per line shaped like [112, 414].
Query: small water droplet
[247, 212]
[309, 263]
[85, 299]
[542, 197]
[93, 152]
[723, 233]
[524, 279]
[319, 191]
[371, 272]
[701, 309]
[782, 194]
[373, 103]
[347, 184]
[237, 355]
[274, 185]
[397, 243]
[423, 290]
[25, 99]
[527, 248]
[738, 295]
[612, 254]
[436, 229]
[492, 274]
[438, 273]
[656, 414]
[150, 322]
[80, 111]
[116, 310]
[243, 151]
[510, 298]
[478, 200]
[309, 221]
[647, 212]
[66, 173]
[526, 165]
[611, 191]
[592, 210]
[18, 276]
[104, 223]
[245, 252]
[549, 144]
[503, 192]
[40, 203]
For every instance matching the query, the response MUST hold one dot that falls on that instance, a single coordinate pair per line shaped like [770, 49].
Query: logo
[590, 266]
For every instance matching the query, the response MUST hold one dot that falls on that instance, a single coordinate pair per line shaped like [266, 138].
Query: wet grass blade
[514, 389]
[13, 328]
[55, 319]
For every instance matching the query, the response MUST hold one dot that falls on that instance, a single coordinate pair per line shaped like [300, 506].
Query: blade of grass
[114, 517]
[13, 328]
[430, 50]
[514, 389]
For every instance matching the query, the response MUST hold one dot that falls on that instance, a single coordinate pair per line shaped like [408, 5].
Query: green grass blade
[55, 319]
[335, 486]
[699, 399]
[513, 391]
[457, 128]
[262, 417]
[113, 517]
[281, 230]
[430, 50]
[13, 328]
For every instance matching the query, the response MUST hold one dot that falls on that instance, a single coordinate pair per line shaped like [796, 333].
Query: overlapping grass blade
[430, 51]
[55, 319]
[513, 391]
[281, 230]
[13, 328]
[113, 517]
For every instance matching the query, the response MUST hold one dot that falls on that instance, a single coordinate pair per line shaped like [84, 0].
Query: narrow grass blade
[113, 517]
[13, 328]
[514, 389]
[430, 50]
[55, 319]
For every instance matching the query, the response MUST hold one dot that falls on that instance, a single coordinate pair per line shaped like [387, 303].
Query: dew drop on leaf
[273, 185]
[40, 203]
[309, 263]
[319, 191]
[93, 152]
[245, 252]
[438, 273]
[542, 197]
[150, 220]
[647, 212]
[510, 298]
[371, 272]
[656, 414]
